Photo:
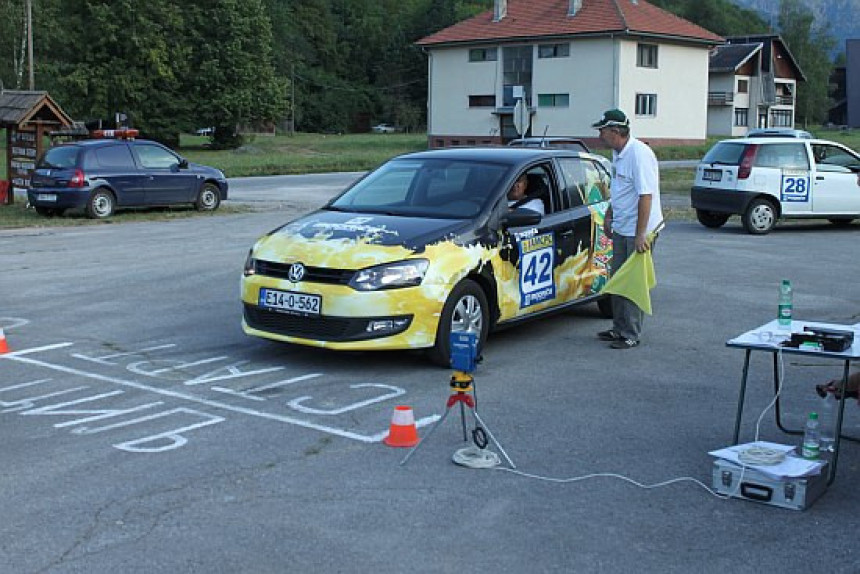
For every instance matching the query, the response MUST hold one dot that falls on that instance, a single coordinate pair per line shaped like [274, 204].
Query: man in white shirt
[634, 212]
[518, 192]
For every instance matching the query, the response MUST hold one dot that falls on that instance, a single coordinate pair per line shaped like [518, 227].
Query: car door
[783, 170]
[836, 181]
[585, 247]
[535, 277]
[115, 165]
[166, 181]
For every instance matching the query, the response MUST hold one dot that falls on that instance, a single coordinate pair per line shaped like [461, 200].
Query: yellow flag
[634, 280]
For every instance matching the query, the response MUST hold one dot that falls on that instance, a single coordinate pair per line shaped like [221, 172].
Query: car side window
[117, 156]
[784, 156]
[834, 159]
[585, 182]
[154, 157]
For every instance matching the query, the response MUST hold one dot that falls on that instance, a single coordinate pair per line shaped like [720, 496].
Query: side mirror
[520, 217]
[183, 163]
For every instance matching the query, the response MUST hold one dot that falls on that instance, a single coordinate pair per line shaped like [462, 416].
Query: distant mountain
[843, 16]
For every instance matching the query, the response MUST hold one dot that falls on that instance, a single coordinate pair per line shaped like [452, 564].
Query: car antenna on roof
[543, 137]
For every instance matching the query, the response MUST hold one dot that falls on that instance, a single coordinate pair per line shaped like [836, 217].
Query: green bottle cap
[813, 416]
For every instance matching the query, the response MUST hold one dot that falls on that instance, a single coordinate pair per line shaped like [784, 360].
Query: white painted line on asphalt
[103, 359]
[188, 397]
[14, 354]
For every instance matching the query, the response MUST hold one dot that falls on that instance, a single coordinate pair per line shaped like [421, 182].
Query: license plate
[290, 301]
[713, 175]
[46, 196]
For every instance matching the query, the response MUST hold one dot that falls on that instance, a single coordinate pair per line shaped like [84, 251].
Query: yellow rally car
[429, 244]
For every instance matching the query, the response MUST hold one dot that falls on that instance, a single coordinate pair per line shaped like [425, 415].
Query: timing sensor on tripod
[464, 352]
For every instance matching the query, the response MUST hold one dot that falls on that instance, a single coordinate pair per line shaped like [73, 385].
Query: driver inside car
[518, 196]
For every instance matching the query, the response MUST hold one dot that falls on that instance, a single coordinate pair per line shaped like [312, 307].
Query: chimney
[500, 9]
[574, 7]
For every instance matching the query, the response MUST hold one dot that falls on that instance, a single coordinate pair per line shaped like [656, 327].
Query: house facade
[568, 61]
[753, 84]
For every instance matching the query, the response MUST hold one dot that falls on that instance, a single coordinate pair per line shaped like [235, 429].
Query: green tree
[231, 80]
[13, 73]
[811, 46]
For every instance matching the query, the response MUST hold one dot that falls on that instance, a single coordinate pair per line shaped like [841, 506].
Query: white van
[767, 179]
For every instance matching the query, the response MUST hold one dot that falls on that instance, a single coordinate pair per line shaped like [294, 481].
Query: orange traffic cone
[4, 348]
[402, 431]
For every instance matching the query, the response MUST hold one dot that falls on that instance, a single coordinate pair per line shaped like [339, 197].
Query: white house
[570, 60]
[753, 85]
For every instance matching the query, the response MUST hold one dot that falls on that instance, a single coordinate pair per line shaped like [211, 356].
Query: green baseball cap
[611, 118]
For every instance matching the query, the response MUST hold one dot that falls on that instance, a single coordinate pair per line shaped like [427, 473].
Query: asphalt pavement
[143, 432]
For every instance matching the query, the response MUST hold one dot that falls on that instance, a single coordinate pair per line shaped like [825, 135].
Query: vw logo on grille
[296, 273]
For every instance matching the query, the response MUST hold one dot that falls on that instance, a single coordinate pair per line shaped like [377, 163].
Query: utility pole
[30, 43]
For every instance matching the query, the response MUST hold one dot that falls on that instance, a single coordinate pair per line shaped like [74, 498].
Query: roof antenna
[543, 137]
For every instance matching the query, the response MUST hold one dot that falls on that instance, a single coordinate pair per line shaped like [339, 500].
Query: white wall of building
[721, 117]
[453, 78]
[680, 82]
[587, 75]
[598, 74]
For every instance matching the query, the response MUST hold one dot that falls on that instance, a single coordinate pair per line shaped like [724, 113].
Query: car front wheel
[711, 219]
[100, 205]
[465, 311]
[208, 199]
[760, 217]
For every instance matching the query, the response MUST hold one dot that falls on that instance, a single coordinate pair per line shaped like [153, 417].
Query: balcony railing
[721, 98]
[785, 100]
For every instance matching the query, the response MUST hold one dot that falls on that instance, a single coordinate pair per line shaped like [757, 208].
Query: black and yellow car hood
[350, 240]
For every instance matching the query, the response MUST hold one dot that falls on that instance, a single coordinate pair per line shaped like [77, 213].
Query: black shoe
[624, 344]
[609, 335]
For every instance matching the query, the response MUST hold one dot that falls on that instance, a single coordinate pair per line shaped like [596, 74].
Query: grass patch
[17, 216]
[303, 153]
[677, 181]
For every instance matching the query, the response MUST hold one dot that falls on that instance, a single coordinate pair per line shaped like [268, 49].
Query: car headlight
[250, 265]
[407, 273]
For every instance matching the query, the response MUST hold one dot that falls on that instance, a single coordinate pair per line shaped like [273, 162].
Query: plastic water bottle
[827, 422]
[786, 296]
[811, 442]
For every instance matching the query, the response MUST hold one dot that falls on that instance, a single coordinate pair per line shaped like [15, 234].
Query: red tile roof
[542, 18]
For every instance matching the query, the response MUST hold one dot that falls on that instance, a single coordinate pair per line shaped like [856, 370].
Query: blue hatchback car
[102, 175]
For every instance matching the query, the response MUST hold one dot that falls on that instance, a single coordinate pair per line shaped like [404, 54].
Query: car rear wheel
[711, 219]
[101, 204]
[465, 311]
[760, 217]
[208, 199]
[841, 222]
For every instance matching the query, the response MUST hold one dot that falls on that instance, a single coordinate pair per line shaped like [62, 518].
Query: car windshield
[726, 153]
[62, 157]
[439, 188]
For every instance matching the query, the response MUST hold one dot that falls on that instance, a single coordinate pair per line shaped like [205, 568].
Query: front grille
[312, 274]
[318, 328]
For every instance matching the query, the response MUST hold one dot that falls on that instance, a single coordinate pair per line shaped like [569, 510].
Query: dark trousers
[626, 315]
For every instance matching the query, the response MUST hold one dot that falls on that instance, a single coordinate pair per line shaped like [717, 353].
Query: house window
[517, 71]
[646, 104]
[646, 55]
[743, 87]
[742, 117]
[553, 100]
[553, 50]
[482, 101]
[482, 55]
[780, 118]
